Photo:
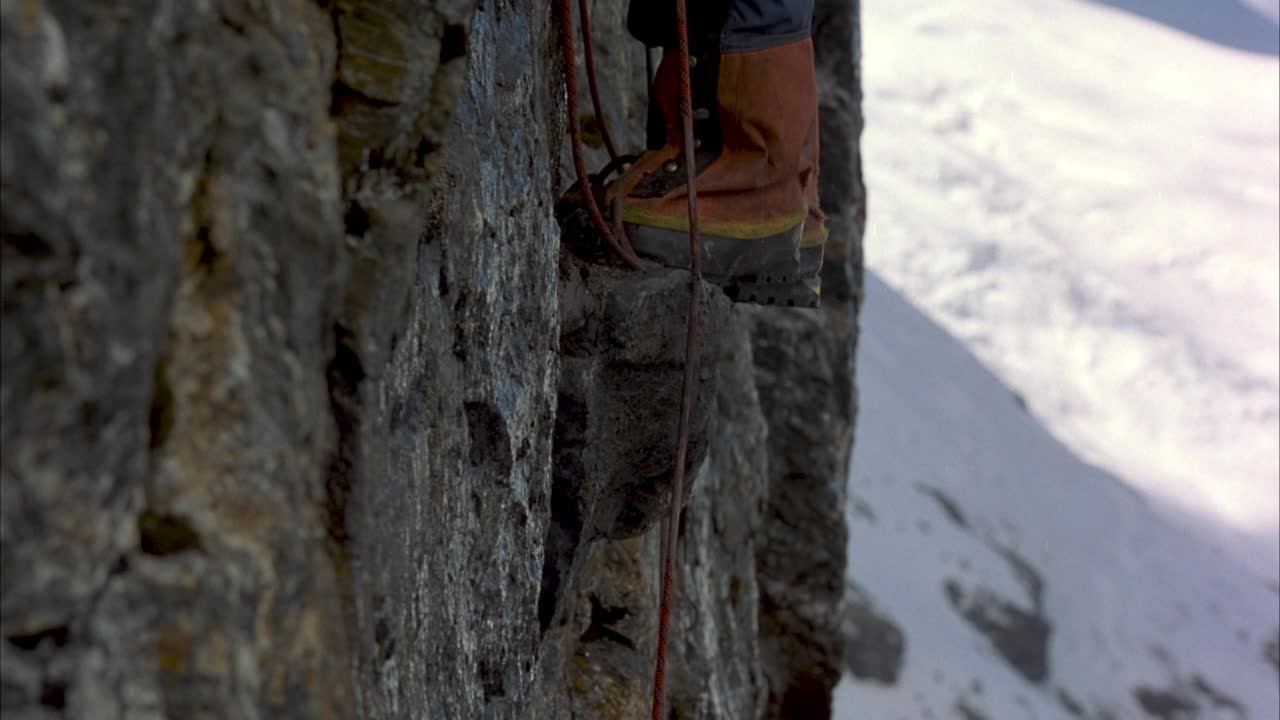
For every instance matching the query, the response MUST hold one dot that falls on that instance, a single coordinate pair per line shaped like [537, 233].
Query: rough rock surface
[620, 378]
[297, 382]
[172, 254]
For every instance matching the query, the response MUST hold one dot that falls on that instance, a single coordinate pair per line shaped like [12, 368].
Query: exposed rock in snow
[1088, 199]
[1024, 582]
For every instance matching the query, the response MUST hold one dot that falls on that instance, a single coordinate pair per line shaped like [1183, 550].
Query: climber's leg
[756, 129]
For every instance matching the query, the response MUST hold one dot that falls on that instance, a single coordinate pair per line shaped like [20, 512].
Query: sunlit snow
[1086, 200]
[1091, 201]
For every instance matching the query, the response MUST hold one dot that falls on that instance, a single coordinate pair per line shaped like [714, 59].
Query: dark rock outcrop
[1021, 636]
[1018, 630]
[1188, 698]
[1165, 704]
[876, 645]
[801, 569]
[1271, 650]
[305, 413]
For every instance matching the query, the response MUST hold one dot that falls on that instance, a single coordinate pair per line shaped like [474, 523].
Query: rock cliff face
[306, 414]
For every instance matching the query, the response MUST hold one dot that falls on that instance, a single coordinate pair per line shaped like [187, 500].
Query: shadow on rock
[622, 347]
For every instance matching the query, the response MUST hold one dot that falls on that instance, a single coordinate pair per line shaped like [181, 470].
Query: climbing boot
[755, 120]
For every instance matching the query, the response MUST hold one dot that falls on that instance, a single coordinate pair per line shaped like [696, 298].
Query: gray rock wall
[172, 254]
[305, 413]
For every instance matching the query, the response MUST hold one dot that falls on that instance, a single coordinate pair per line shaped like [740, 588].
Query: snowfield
[1023, 581]
[1088, 199]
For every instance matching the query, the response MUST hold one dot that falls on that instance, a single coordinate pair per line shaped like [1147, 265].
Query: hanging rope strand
[575, 138]
[618, 243]
[690, 367]
[589, 59]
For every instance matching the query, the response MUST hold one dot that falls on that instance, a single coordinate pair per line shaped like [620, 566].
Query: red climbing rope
[690, 365]
[618, 244]
[589, 59]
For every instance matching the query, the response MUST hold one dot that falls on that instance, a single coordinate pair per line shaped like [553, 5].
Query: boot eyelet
[697, 143]
[671, 167]
[701, 114]
[693, 61]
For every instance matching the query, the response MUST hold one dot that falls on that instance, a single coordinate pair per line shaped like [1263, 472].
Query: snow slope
[1085, 200]
[1104, 601]
[1090, 201]
[1245, 25]
[1269, 8]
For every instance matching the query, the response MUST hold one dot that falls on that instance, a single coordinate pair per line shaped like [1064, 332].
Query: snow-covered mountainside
[1090, 200]
[1016, 580]
[1085, 197]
